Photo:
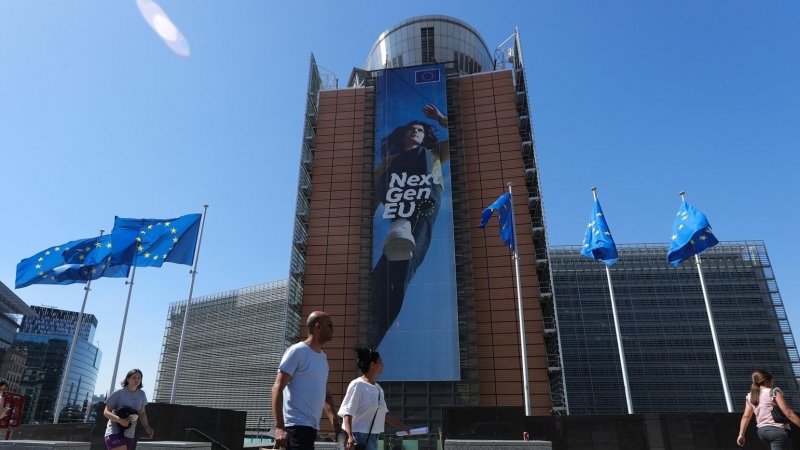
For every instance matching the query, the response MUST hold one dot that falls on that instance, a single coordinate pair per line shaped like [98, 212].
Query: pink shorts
[118, 440]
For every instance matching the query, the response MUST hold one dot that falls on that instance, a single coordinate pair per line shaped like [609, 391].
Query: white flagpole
[523, 346]
[72, 349]
[122, 332]
[622, 363]
[186, 312]
[714, 337]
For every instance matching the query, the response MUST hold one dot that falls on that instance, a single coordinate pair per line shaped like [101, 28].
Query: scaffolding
[559, 403]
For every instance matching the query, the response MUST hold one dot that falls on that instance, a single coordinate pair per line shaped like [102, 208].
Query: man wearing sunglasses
[300, 392]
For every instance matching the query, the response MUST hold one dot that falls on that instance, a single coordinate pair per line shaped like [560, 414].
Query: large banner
[414, 309]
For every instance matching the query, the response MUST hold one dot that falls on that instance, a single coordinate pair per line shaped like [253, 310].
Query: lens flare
[158, 20]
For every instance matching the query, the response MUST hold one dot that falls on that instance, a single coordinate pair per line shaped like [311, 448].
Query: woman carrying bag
[772, 413]
[364, 406]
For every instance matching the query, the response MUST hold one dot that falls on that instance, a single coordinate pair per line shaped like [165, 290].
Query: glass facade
[47, 339]
[430, 39]
[666, 335]
[233, 345]
[58, 321]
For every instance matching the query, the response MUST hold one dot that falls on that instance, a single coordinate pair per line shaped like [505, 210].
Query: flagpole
[186, 312]
[714, 337]
[72, 348]
[621, 350]
[122, 332]
[523, 346]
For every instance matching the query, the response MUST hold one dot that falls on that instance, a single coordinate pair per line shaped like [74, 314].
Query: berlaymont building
[396, 167]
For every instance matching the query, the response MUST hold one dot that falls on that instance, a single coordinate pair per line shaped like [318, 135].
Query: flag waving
[598, 243]
[691, 235]
[62, 265]
[152, 242]
[503, 206]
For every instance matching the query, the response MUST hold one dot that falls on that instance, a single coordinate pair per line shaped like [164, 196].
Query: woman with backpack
[772, 413]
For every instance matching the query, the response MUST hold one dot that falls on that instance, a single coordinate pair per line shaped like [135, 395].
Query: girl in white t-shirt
[762, 398]
[364, 406]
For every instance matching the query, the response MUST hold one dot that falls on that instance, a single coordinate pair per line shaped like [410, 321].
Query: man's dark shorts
[301, 438]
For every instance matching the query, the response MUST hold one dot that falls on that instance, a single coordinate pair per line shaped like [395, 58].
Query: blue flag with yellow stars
[691, 235]
[598, 243]
[50, 267]
[152, 242]
[503, 206]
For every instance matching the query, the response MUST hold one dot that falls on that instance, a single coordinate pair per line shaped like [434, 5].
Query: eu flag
[426, 76]
[598, 243]
[691, 235]
[152, 242]
[50, 267]
[503, 206]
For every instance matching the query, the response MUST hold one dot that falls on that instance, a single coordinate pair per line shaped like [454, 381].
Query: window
[427, 45]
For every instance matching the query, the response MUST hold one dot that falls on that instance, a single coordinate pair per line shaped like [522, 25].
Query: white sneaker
[399, 244]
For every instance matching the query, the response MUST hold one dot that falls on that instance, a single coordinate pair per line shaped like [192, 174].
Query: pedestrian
[3, 387]
[364, 406]
[300, 392]
[761, 401]
[125, 407]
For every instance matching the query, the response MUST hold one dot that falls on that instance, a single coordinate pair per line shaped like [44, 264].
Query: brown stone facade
[493, 158]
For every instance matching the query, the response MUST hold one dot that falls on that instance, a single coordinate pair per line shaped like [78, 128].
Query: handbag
[777, 415]
[364, 447]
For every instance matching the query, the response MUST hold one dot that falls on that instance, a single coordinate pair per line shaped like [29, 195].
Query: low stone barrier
[44, 445]
[145, 444]
[462, 444]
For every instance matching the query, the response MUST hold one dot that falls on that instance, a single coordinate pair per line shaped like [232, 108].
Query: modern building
[233, 345]
[47, 338]
[665, 329]
[12, 366]
[396, 168]
[12, 361]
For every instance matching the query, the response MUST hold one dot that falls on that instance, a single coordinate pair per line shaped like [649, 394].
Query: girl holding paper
[364, 406]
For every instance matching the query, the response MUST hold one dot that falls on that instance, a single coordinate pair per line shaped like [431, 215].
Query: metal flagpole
[186, 312]
[714, 337]
[122, 332]
[619, 333]
[523, 346]
[72, 348]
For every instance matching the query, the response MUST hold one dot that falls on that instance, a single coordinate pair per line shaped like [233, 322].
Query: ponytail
[759, 377]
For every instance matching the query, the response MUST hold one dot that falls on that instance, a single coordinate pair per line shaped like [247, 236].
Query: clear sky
[643, 99]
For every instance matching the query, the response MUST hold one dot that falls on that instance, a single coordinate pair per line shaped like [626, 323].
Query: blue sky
[99, 118]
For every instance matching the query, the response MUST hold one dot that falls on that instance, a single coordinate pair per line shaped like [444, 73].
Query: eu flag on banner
[503, 206]
[50, 267]
[691, 235]
[152, 242]
[598, 243]
[426, 76]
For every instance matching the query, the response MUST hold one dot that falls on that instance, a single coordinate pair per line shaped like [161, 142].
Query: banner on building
[414, 307]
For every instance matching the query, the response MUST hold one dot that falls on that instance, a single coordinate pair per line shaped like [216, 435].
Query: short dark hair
[365, 357]
[131, 372]
[3, 382]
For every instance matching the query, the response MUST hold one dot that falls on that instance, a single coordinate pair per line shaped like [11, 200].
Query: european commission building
[232, 348]
[666, 336]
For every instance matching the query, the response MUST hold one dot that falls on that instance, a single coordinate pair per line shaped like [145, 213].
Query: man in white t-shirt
[300, 392]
